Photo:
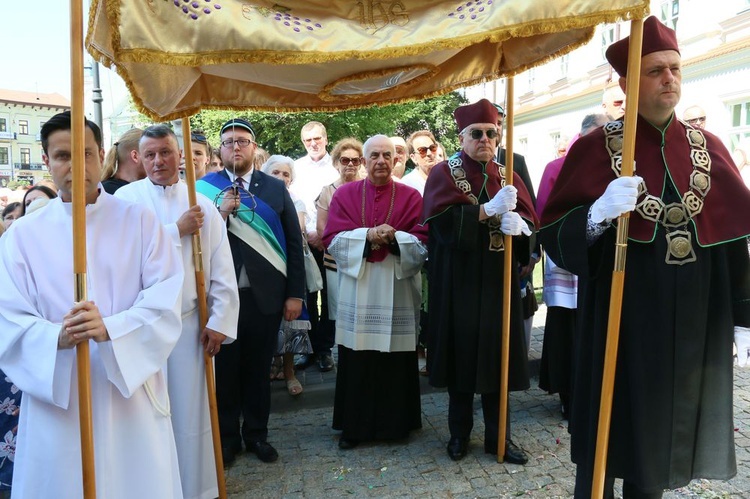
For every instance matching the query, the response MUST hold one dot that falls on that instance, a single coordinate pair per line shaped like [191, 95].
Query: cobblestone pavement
[312, 466]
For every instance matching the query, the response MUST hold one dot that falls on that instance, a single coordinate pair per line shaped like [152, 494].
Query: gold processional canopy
[179, 56]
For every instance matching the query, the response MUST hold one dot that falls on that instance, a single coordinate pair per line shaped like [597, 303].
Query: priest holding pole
[131, 322]
[686, 291]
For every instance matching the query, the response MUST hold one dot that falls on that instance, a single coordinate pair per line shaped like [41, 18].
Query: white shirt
[415, 179]
[309, 179]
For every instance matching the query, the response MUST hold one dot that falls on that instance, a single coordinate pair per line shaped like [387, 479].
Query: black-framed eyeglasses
[351, 161]
[478, 133]
[695, 121]
[423, 150]
[198, 137]
[243, 143]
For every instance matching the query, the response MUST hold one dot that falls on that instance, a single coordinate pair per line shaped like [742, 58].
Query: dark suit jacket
[519, 167]
[269, 288]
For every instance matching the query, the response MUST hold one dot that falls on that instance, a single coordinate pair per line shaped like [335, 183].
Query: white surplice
[135, 278]
[186, 370]
[378, 307]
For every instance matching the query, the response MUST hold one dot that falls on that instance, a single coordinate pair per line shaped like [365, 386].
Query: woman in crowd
[122, 164]
[293, 335]
[39, 193]
[11, 213]
[346, 156]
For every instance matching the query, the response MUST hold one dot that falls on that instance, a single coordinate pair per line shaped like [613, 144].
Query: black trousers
[242, 367]
[585, 482]
[323, 328]
[461, 416]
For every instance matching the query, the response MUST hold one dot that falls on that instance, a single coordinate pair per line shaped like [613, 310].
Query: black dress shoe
[513, 453]
[229, 452]
[457, 448]
[263, 450]
[325, 362]
[303, 361]
[347, 443]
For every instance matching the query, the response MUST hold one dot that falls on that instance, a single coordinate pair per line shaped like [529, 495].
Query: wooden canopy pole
[507, 281]
[83, 361]
[618, 274]
[200, 284]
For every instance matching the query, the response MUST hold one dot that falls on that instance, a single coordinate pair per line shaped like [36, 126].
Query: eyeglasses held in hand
[243, 143]
[423, 150]
[353, 161]
[695, 121]
[477, 133]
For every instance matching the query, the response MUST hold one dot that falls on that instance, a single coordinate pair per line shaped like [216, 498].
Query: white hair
[278, 159]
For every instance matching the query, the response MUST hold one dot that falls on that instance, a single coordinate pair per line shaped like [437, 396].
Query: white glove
[620, 197]
[742, 341]
[512, 224]
[502, 202]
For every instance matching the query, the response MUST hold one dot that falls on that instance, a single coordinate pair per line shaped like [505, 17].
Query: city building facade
[22, 115]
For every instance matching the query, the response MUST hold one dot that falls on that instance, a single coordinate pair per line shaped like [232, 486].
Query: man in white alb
[166, 195]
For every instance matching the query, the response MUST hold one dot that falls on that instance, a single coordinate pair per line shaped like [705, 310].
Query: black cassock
[672, 407]
[466, 303]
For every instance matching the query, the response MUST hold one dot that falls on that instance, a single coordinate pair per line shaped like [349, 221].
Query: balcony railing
[29, 166]
[7, 135]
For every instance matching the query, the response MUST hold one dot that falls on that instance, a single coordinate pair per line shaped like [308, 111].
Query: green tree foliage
[279, 133]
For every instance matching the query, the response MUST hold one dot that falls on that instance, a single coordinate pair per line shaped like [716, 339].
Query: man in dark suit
[266, 244]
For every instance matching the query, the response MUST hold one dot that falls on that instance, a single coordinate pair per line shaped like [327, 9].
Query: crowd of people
[385, 250]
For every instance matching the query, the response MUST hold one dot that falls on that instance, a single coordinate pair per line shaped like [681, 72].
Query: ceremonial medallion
[675, 215]
[679, 248]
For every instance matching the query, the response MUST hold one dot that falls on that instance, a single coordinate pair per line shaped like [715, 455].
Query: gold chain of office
[376, 246]
[455, 165]
[674, 217]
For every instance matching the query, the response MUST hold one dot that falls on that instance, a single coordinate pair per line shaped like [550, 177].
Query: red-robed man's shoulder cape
[441, 191]
[587, 172]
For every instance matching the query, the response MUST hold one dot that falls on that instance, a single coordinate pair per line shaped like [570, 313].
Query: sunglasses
[350, 161]
[477, 134]
[695, 121]
[198, 137]
[423, 150]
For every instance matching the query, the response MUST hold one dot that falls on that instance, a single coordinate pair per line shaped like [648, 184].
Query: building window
[531, 76]
[25, 157]
[608, 38]
[564, 66]
[3, 155]
[524, 146]
[669, 12]
[740, 113]
[23, 127]
[3, 125]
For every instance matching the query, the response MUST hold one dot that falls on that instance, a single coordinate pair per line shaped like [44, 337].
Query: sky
[38, 59]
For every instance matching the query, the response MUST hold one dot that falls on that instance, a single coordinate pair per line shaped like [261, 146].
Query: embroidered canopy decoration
[179, 56]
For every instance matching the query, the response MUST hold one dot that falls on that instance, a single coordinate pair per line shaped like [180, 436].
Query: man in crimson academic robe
[686, 288]
[469, 209]
[374, 235]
